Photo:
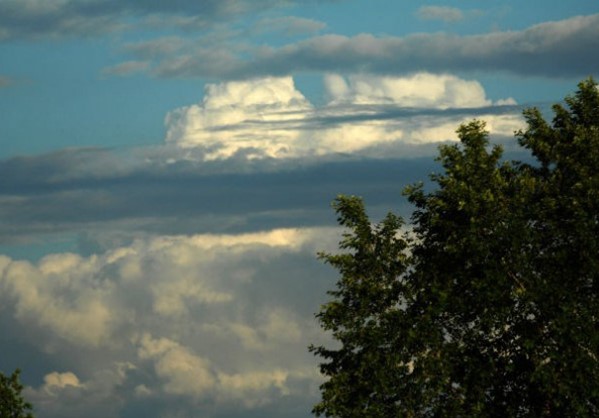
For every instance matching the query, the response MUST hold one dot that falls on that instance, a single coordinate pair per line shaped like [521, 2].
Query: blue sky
[166, 170]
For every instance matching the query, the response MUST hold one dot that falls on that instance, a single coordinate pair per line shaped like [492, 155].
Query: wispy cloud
[289, 26]
[443, 13]
[126, 68]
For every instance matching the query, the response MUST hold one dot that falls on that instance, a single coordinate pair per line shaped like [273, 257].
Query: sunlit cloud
[207, 317]
[270, 118]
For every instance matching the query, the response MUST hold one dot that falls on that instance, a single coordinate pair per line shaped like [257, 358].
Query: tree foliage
[488, 307]
[12, 404]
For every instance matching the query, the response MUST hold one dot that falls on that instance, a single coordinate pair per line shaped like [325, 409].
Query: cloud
[421, 90]
[187, 374]
[184, 372]
[262, 142]
[47, 304]
[270, 118]
[59, 381]
[550, 49]
[46, 199]
[290, 25]
[218, 123]
[443, 13]
[126, 68]
[34, 19]
[239, 353]
[64, 395]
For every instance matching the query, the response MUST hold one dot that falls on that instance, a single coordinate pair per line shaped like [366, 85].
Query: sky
[167, 168]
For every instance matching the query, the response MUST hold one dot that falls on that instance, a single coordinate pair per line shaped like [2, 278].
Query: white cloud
[208, 319]
[270, 118]
[188, 374]
[184, 372]
[61, 296]
[230, 116]
[421, 90]
[56, 380]
[253, 389]
[63, 394]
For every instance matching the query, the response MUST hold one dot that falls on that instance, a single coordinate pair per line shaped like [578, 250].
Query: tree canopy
[12, 404]
[486, 304]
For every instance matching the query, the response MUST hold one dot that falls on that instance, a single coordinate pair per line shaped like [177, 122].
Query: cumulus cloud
[229, 117]
[421, 90]
[42, 296]
[63, 394]
[188, 374]
[184, 372]
[262, 142]
[242, 351]
[270, 118]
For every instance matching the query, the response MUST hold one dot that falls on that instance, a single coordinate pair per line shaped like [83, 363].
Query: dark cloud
[31, 19]
[50, 194]
[551, 49]
[109, 194]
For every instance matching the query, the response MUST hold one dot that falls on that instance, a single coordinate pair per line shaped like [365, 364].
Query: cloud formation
[207, 319]
[550, 49]
[289, 26]
[34, 19]
[126, 68]
[270, 118]
[228, 117]
[264, 144]
[443, 13]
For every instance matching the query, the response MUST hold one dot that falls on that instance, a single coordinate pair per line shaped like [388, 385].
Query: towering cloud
[256, 116]
[269, 117]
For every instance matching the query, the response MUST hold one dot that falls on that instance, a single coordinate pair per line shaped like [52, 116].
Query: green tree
[12, 404]
[489, 307]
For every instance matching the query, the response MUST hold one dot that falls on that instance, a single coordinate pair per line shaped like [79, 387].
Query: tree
[12, 404]
[489, 306]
